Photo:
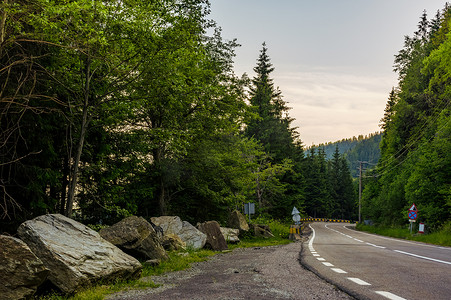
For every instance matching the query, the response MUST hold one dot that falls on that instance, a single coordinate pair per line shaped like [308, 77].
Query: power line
[439, 130]
[421, 131]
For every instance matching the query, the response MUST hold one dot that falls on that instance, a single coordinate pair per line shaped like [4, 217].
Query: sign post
[413, 215]
[295, 229]
[296, 215]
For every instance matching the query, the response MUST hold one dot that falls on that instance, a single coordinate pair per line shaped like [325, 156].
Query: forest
[415, 163]
[118, 108]
[355, 149]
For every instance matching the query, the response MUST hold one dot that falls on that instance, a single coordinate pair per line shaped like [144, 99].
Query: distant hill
[361, 148]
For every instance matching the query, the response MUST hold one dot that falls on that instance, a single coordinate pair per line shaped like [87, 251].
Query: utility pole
[360, 191]
[360, 188]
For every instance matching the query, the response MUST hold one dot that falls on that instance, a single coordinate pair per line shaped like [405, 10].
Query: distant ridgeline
[355, 149]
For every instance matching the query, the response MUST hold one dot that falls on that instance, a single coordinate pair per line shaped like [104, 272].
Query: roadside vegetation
[440, 237]
[178, 261]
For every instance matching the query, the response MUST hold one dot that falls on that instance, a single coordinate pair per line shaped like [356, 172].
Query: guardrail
[324, 220]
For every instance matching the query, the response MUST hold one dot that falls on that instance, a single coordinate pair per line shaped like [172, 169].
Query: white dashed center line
[328, 264]
[358, 281]
[375, 245]
[338, 270]
[390, 295]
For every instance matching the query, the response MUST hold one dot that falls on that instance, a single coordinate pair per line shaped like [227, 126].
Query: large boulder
[215, 239]
[230, 234]
[187, 232]
[21, 272]
[75, 254]
[261, 230]
[135, 236]
[238, 221]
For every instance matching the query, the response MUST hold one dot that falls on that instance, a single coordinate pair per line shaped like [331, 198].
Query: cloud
[331, 106]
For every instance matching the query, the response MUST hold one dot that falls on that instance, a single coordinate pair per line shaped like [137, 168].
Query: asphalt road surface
[375, 267]
[266, 273]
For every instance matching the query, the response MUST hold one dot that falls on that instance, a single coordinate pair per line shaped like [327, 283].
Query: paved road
[375, 267]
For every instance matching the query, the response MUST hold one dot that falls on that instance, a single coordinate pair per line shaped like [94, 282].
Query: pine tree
[388, 114]
[271, 127]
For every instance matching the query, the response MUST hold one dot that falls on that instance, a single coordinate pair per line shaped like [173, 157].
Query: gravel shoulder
[250, 273]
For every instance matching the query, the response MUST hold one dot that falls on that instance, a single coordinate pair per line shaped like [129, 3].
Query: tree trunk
[162, 189]
[3, 24]
[64, 184]
[258, 192]
[162, 198]
[81, 140]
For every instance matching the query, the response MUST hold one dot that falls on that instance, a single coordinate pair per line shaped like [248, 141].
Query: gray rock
[135, 236]
[215, 239]
[261, 230]
[75, 254]
[152, 262]
[172, 242]
[230, 234]
[21, 272]
[187, 232]
[238, 221]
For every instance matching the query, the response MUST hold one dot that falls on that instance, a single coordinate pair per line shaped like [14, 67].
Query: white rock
[188, 233]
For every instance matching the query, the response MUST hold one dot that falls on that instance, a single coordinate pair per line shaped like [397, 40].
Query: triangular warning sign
[295, 211]
[413, 207]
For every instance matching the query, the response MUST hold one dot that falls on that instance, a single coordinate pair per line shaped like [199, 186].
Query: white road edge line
[358, 281]
[390, 295]
[310, 243]
[398, 240]
[424, 257]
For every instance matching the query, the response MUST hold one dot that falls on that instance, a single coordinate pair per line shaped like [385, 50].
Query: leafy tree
[413, 159]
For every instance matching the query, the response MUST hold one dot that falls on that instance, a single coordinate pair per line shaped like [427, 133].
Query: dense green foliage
[114, 108]
[415, 164]
[329, 186]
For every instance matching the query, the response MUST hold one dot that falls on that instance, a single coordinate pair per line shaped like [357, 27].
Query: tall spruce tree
[271, 127]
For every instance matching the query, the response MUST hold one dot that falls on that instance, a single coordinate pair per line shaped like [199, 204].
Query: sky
[333, 59]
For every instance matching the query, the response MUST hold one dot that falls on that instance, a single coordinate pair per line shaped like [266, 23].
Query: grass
[177, 261]
[441, 237]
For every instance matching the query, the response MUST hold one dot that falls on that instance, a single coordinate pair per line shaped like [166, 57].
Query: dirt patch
[252, 273]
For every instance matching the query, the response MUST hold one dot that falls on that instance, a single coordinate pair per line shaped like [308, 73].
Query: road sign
[413, 207]
[421, 228]
[296, 218]
[249, 208]
[413, 215]
[295, 211]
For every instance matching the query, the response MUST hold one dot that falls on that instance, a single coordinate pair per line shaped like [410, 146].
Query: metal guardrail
[324, 220]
